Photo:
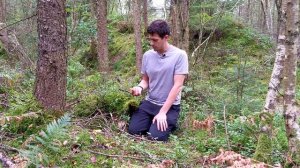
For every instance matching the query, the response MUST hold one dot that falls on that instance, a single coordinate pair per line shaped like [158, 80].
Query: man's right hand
[136, 91]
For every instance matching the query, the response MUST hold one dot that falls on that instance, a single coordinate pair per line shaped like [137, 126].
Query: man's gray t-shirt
[161, 68]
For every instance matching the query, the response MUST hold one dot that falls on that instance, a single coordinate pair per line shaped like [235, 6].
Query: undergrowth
[228, 82]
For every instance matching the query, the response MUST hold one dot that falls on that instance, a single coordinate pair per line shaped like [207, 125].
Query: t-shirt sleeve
[182, 65]
[143, 68]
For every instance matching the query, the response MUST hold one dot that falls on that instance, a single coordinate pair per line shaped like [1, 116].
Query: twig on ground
[225, 125]
[119, 156]
[8, 148]
[8, 119]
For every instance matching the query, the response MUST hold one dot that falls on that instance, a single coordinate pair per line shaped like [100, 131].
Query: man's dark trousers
[141, 121]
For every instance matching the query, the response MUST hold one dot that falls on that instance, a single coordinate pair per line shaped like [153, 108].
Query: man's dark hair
[160, 27]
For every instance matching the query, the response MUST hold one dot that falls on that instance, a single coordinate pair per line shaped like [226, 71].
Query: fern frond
[56, 128]
[37, 154]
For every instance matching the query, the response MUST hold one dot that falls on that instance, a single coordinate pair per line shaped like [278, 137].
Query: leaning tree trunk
[264, 149]
[51, 74]
[11, 43]
[179, 20]
[291, 111]
[102, 35]
[277, 73]
[137, 32]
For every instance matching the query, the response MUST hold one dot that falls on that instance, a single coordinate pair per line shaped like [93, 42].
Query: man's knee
[133, 130]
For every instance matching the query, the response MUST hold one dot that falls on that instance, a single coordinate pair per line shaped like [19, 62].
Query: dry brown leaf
[207, 124]
[20, 162]
[122, 125]
[168, 163]
[234, 160]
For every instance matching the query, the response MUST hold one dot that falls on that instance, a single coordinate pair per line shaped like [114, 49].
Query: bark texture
[291, 111]
[137, 33]
[277, 73]
[51, 74]
[179, 15]
[102, 35]
[2, 11]
[145, 15]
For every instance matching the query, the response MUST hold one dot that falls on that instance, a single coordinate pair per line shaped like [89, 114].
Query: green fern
[55, 130]
[47, 141]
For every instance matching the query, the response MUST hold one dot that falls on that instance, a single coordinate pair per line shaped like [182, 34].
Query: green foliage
[122, 51]
[84, 138]
[47, 142]
[89, 57]
[75, 68]
[88, 105]
[86, 24]
[26, 126]
[230, 73]
[118, 102]
[3, 54]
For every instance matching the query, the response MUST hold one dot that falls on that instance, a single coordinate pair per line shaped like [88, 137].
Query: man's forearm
[171, 98]
[143, 84]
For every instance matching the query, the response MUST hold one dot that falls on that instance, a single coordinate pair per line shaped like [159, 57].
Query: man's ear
[166, 37]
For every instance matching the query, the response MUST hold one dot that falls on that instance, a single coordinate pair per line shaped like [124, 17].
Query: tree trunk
[291, 111]
[11, 43]
[277, 73]
[267, 19]
[137, 32]
[248, 11]
[179, 20]
[145, 15]
[102, 35]
[2, 11]
[51, 74]
[263, 151]
[174, 23]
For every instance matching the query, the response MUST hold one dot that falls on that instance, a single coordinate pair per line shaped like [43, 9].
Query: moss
[131, 106]
[264, 149]
[84, 138]
[87, 106]
[113, 102]
[89, 57]
[26, 126]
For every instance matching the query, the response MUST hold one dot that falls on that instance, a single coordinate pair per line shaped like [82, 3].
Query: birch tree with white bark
[291, 109]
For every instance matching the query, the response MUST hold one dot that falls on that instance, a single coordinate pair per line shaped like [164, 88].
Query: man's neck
[165, 48]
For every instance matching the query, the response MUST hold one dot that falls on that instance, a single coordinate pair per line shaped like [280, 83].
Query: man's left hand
[161, 121]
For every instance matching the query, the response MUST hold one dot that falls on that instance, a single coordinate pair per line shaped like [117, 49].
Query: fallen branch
[8, 148]
[225, 126]
[119, 156]
[8, 119]
[9, 25]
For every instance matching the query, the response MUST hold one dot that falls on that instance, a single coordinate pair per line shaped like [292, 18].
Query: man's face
[156, 42]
